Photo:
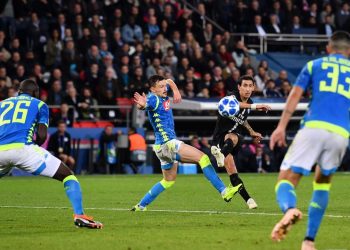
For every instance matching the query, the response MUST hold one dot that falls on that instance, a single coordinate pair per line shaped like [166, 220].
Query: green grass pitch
[35, 214]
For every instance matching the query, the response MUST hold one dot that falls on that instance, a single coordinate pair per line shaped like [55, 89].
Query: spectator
[285, 88]
[282, 76]
[270, 89]
[88, 112]
[263, 162]
[131, 32]
[239, 53]
[137, 149]
[261, 79]
[343, 15]
[107, 155]
[60, 145]
[65, 114]
[56, 95]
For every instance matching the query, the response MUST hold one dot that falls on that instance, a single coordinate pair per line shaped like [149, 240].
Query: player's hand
[278, 137]
[140, 100]
[177, 97]
[256, 137]
[263, 107]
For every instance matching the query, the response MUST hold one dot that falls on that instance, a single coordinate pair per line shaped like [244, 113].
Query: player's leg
[232, 141]
[169, 176]
[50, 166]
[317, 207]
[298, 161]
[190, 154]
[329, 160]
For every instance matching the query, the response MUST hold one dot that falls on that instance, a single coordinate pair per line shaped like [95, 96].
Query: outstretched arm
[140, 100]
[259, 107]
[176, 92]
[278, 136]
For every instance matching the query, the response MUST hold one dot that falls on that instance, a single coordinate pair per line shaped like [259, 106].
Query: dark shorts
[220, 140]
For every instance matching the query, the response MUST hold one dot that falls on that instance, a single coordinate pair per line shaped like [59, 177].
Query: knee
[167, 184]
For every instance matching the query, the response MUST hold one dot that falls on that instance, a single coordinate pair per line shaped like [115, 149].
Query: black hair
[152, 81]
[245, 78]
[28, 86]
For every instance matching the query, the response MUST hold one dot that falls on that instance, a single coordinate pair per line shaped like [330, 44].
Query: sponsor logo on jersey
[166, 105]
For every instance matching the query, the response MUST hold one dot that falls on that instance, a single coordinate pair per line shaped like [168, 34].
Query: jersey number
[335, 86]
[19, 115]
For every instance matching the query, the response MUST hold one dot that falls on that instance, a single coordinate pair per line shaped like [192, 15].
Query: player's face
[160, 89]
[246, 89]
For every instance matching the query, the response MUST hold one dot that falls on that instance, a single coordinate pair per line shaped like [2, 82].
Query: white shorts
[167, 153]
[30, 158]
[313, 145]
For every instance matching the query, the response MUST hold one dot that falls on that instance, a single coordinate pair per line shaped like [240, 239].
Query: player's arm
[302, 82]
[278, 136]
[177, 96]
[43, 123]
[140, 100]
[253, 106]
[41, 134]
[252, 133]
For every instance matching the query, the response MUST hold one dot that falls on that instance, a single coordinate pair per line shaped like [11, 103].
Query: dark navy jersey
[225, 125]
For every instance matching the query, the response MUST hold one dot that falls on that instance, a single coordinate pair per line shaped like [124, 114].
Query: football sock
[73, 191]
[235, 180]
[285, 194]
[227, 148]
[317, 208]
[155, 191]
[210, 173]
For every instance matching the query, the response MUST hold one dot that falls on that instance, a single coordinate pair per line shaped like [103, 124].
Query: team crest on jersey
[166, 105]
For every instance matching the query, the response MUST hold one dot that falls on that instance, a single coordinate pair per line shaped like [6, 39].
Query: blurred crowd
[85, 53]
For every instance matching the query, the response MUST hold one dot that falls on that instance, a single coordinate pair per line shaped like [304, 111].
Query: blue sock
[73, 191]
[285, 194]
[155, 191]
[317, 208]
[210, 173]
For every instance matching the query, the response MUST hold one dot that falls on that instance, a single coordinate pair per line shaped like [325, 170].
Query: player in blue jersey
[168, 149]
[322, 138]
[20, 118]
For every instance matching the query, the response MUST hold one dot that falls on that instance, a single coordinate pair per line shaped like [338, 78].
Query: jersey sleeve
[304, 78]
[152, 102]
[43, 114]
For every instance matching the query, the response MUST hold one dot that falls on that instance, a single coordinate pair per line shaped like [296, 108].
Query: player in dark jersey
[227, 138]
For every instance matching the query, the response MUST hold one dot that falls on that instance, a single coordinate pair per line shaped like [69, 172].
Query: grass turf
[27, 224]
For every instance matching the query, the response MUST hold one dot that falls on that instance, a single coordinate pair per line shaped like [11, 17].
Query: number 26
[19, 115]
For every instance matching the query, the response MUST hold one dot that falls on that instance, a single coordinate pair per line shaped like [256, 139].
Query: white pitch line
[170, 211]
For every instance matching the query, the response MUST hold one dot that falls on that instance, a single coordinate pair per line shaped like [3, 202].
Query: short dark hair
[154, 79]
[28, 86]
[245, 78]
[340, 40]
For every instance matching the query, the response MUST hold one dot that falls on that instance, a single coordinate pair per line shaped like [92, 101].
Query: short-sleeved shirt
[329, 79]
[160, 115]
[19, 117]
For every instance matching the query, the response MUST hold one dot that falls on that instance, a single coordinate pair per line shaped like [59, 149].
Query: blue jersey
[329, 79]
[161, 118]
[18, 119]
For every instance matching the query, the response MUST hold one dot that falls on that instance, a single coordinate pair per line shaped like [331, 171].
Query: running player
[20, 117]
[227, 138]
[168, 149]
[322, 138]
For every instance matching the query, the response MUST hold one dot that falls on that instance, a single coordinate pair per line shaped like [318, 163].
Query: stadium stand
[92, 55]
